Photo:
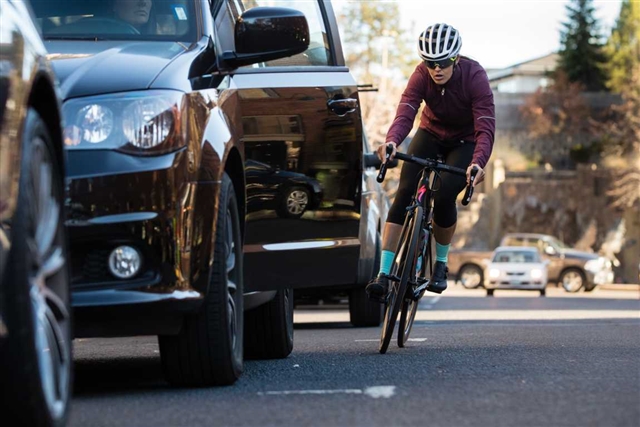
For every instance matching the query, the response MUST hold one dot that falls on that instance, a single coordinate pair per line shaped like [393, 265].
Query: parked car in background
[164, 118]
[572, 269]
[516, 267]
[35, 323]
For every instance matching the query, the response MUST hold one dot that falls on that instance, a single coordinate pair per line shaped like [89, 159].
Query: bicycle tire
[406, 251]
[409, 305]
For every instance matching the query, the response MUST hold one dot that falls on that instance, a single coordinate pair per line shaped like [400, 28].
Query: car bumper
[535, 285]
[147, 204]
[603, 277]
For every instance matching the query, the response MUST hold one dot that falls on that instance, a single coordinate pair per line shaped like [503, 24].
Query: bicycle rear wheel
[400, 268]
[410, 305]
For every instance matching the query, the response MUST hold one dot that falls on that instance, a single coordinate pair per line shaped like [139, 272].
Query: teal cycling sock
[442, 252]
[385, 261]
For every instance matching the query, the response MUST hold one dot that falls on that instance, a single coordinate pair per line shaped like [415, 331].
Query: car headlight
[146, 122]
[536, 273]
[595, 265]
[494, 273]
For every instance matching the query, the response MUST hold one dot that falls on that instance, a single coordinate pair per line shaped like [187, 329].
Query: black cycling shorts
[455, 153]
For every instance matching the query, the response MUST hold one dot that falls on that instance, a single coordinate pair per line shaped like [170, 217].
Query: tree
[582, 57]
[622, 136]
[371, 31]
[558, 121]
[623, 47]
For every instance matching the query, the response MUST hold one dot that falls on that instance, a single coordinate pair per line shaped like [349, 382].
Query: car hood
[97, 67]
[575, 254]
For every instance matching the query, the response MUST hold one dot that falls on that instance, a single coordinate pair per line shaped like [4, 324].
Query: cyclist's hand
[479, 175]
[382, 151]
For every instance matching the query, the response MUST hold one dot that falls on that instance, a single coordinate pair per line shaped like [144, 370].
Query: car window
[516, 256]
[116, 19]
[318, 53]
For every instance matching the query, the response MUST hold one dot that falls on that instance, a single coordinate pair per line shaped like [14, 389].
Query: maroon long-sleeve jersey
[461, 109]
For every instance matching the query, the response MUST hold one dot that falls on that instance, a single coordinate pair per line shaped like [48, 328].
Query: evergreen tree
[582, 57]
[623, 47]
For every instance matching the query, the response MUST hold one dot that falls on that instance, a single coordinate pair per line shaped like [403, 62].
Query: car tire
[471, 270]
[208, 350]
[36, 364]
[572, 280]
[490, 292]
[364, 312]
[543, 292]
[294, 202]
[269, 328]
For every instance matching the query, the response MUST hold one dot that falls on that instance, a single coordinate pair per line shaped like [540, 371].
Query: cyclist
[458, 123]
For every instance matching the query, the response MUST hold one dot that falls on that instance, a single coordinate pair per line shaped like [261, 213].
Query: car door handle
[342, 107]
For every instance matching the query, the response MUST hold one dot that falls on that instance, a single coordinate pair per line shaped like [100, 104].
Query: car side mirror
[550, 250]
[371, 160]
[267, 33]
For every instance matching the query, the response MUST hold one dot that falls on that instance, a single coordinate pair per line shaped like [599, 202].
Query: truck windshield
[163, 20]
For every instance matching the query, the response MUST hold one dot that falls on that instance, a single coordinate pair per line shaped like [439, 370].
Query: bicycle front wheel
[400, 268]
[413, 271]
[406, 250]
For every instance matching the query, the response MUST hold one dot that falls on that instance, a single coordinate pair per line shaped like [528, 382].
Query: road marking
[383, 391]
[432, 301]
[410, 339]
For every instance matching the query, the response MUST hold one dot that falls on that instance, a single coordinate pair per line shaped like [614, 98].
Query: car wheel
[268, 330]
[35, 366]
[572, 280]
[489, 292]
[362, 310]
[543, 292]
[294, 202]
[209, 348]
[471, 276]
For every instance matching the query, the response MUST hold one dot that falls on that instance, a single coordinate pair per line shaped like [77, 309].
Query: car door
[301, 115]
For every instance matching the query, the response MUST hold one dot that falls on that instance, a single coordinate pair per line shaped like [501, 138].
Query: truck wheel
[35, 355]
[471, 276]
[572, 280]
[268, 329]
[489, 292]
[208, 350]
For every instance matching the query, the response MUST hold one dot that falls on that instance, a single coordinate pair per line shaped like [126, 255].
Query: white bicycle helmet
[439, 42]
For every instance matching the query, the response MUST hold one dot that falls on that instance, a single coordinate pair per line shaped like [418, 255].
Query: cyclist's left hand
[479, 176]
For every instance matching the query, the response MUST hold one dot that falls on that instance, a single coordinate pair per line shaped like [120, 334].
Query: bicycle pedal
[419, 291]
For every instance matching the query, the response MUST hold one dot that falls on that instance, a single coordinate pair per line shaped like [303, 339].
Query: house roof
[533, 67]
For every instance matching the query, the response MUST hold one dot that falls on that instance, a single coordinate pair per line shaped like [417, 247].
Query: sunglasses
[442, 64]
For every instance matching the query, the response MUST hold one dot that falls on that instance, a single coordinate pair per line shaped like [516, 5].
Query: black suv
[169, 106]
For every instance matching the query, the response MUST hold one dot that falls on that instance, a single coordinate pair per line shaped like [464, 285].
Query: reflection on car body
[289, 194]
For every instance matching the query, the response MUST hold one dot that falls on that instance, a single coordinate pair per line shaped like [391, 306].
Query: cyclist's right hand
[382, 151]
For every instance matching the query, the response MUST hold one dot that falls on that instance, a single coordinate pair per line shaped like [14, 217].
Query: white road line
[431, 302]
[384, 391]
[410, 339]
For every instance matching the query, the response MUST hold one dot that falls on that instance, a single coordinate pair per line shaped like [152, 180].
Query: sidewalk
[621, 287]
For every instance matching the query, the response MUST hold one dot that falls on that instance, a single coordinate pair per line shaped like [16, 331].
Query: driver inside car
[134, 12]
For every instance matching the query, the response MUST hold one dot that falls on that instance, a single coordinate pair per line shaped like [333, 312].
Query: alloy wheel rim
[470, 278]
[572, 281]
[232, 286]
[47, 274]
[297, 202]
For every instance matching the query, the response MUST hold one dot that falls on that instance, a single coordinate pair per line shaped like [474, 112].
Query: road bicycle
[412, 265]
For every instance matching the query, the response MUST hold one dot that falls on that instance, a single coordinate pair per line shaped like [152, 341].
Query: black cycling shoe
[378, 288]
[438, 282]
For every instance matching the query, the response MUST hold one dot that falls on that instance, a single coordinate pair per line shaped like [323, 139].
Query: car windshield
[163, 20]
[516, 256]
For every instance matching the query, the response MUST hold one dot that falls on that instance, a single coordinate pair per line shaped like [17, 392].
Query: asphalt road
[512, 360]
